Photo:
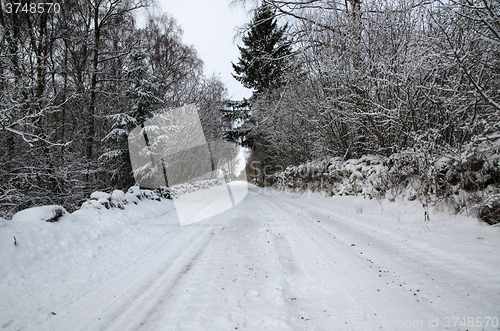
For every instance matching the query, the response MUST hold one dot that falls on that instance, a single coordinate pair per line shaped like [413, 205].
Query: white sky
[210, 25]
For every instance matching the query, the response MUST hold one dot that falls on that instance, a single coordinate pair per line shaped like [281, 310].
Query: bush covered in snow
[353, 177]
[118, 199]
[466, 179]
[489, 211]
[180, 189]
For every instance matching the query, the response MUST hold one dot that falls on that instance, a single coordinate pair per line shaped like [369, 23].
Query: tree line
[369, 77]
[74, 83]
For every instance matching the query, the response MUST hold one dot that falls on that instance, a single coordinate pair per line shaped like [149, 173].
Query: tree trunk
[95, 62]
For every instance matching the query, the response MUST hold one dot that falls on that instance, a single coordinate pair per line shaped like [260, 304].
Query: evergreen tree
[143, 95]
[238, 113]
[144, 88]
[117, 158]
[264, 57]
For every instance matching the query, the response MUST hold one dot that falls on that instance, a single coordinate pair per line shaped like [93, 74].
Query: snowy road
[293, 262]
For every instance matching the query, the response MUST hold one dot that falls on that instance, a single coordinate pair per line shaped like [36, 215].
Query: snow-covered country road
[273, 262]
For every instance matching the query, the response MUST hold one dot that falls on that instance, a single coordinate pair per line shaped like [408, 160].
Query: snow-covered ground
[276, 261]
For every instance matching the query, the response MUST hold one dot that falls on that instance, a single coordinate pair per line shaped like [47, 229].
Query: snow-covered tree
[143, 88]
[371, 76]
[142, 92]
[264, 60]
[116, 157]
[265, 55]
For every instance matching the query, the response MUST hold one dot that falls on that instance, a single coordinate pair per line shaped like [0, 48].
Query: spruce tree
[142, 93]
[144, 88]
[116, 158]
[238, 113]
[264, 56]
[263, 60]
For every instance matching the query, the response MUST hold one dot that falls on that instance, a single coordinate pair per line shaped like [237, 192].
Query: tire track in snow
[431, 283]
[343, 281]
[230, 275]
[111, 304]
[350, 266]
[160, 300]
[137, 315]
[422, 262]
[304, 272]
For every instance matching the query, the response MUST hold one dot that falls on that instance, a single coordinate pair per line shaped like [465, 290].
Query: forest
[74, 83]
[415, 82]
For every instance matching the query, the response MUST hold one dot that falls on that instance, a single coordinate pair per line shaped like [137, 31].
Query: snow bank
[46, 266]
[41, 259]
[101, 200]
[51, 213]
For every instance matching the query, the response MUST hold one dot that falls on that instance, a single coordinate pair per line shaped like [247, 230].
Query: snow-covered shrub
[118, 199]
[180, 189]
[164, 192]
[457, 177]
[104, 202]
[98, 200]
[135, 191]
[461, 179]
[100, 195]
[131, 198]
[353, 177]
[150, 195]
[489, 211]
[90, 204]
